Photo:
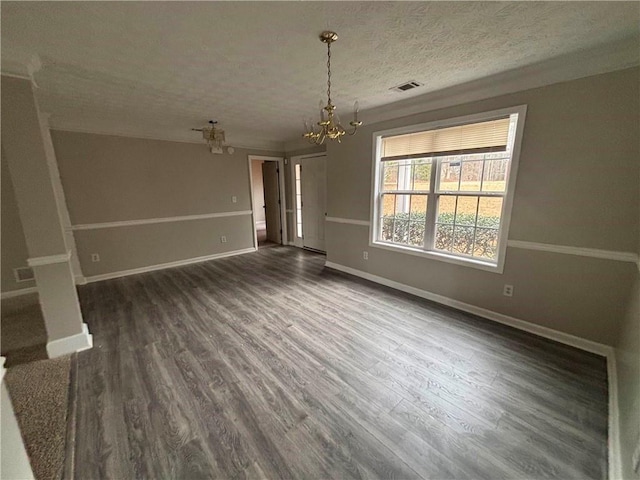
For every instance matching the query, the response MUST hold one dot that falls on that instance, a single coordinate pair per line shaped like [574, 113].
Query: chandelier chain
[329, 124]
[329, 72]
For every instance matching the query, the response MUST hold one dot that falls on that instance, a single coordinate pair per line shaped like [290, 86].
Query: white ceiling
[161, 68]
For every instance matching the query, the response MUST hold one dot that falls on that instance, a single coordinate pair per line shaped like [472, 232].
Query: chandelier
[214, 137]
[329, 124]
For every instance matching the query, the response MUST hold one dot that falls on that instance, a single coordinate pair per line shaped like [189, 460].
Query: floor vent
[407, 86]
[23, 274]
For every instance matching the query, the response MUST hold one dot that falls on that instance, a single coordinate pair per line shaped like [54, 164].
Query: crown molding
[606, 58]
[24, 67]
[236, 141]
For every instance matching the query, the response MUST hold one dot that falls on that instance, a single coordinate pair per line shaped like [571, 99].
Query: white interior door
[314, 201]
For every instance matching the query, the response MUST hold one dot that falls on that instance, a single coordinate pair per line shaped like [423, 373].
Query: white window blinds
[488, 136]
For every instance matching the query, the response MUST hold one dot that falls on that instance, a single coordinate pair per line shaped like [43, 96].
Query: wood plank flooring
[269, 365]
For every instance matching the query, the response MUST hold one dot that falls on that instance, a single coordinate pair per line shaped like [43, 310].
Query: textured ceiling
[258, 67]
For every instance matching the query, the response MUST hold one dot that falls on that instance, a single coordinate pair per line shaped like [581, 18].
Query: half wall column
[24, 148]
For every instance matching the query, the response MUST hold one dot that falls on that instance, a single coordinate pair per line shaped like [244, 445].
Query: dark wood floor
[269, 365]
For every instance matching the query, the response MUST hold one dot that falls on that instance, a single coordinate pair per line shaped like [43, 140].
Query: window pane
[388, 204]
[463, 239]
[444, 237]
[390, 175]
[449, 175]
[446, 208]
[401, 229]
[405, 174]
[403, 218]
[416, 234]
[494, 177]
[489, 211]
[466, 211]
[470, 176]
[418, 208]
[486, 244]
[422, 174]
[386, 229]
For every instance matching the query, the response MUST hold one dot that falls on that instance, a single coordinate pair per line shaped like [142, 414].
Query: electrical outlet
[234, 199]
[365, 255]
[508, 291]
[95, 257]
[223, 239]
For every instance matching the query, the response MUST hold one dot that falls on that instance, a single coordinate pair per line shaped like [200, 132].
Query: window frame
[498, 266]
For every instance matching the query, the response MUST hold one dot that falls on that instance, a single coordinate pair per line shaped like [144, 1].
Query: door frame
[299, 242]
[281, 193]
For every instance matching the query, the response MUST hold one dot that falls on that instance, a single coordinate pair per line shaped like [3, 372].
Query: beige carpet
[38, 387]
[24, 336]
[39, 394]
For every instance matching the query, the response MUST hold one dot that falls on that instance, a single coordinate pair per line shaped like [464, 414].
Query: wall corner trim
[162, 266]
[2, 369]
[72, 344]
[17, 293]
[49, 260]
[615, 455]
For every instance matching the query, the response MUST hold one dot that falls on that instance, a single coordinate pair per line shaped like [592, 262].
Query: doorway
[266, 175]
[309, 174]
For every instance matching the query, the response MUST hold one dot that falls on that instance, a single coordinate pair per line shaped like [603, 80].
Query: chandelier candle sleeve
[329, 124]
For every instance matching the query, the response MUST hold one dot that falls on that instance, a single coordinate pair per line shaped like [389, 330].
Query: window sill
[439, 256]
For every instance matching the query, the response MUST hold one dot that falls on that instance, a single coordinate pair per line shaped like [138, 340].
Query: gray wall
[14, 247]
[577, 186]
[111, 178]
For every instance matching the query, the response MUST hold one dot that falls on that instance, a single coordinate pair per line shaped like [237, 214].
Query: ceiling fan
[214, 137]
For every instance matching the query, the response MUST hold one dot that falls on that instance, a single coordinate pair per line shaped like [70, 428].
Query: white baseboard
[80, 280]
[162, 266]
[615, 471]
[539, 330]
[17, 293]
[74, 343]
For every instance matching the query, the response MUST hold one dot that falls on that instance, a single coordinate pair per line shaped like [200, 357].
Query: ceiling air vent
[23, 274]
[407, 86]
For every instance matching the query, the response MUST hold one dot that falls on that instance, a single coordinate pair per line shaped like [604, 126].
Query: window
[444, 189]
[298, 201]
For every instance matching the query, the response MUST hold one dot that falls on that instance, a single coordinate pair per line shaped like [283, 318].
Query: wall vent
[407, 86]
[23, 274]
